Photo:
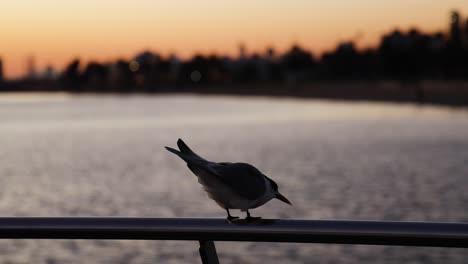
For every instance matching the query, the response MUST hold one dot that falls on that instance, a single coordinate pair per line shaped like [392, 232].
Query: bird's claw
[232, 218]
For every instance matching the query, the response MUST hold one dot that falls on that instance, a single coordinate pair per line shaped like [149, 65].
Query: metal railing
[206, 231]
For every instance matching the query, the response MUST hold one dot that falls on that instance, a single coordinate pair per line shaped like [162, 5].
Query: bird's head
[277, 194]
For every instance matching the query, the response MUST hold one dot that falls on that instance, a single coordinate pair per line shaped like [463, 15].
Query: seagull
[231, 185]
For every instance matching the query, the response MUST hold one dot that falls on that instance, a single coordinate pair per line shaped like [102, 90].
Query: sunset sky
[55, 31]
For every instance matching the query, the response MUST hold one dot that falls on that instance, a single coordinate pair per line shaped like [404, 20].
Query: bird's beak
[280, 197]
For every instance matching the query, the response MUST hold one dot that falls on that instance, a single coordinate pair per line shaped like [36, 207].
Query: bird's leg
[230, 217]
[251, 218]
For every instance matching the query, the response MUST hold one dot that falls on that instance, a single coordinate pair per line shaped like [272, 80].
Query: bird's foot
[232, 218]
[252, 218]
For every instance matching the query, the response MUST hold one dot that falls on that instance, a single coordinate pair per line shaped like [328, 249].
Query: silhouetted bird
[230, 185]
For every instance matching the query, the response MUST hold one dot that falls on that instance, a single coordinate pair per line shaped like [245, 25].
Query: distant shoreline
[448, 93]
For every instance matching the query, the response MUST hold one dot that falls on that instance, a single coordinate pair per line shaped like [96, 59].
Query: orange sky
[55, 31]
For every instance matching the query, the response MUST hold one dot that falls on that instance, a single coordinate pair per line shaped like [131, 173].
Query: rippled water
[103, 156]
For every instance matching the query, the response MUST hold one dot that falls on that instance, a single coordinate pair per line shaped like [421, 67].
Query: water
[66, 155]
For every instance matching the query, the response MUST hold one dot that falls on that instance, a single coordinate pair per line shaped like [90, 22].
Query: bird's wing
[243, 178]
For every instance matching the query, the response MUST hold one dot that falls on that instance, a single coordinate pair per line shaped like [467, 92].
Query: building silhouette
[31, 67]
[466, 34]
[1, 70]
[455, 30]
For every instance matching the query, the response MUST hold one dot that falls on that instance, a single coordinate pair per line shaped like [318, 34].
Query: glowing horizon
[55, 32]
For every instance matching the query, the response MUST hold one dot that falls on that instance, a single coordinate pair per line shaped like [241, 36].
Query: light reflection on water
[101, 156]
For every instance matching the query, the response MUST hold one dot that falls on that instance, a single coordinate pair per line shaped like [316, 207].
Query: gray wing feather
[243, 178]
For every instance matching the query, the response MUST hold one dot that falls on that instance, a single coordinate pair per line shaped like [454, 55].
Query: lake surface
[64, 155]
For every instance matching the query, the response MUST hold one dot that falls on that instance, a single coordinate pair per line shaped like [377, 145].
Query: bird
[232, 185]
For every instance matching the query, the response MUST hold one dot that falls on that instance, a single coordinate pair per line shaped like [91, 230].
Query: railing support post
[208, 253]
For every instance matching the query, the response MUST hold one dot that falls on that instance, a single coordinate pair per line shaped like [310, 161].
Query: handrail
[206, 230]
[268, 230]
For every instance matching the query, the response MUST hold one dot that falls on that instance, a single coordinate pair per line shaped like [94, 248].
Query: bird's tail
[181, 155]
[185, 152]
[175, 151]
[184, 148]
